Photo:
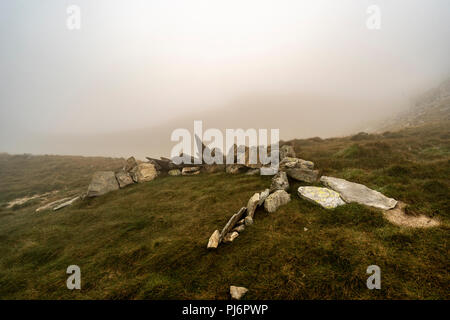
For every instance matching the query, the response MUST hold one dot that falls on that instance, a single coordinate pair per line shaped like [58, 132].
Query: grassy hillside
[148, 241]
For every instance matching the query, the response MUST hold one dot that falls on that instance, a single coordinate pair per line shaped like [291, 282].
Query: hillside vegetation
[148, 241]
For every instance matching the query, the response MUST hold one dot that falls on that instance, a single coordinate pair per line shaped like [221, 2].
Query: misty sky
[144, 64]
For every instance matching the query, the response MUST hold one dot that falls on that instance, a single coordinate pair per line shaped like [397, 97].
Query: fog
[137, 70]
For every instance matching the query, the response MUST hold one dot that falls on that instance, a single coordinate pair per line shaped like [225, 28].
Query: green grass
[148, 241]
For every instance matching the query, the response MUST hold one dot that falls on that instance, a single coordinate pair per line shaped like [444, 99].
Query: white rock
[325, 197]
[276, 200]
[237, 292]
[248, 221]
[144, 172]
[102, 182]
[262, 196]
[252, 204]
[65, 204]
[213, 240]
[355, 192]
[189, 171]
[174, 172]
[230, 237]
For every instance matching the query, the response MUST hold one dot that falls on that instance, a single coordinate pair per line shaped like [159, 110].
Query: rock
[276, 200]
[213, 240]
[240, 222]
[213, 168]
[399, 217]
[327, 198]
[355, 192]
[174, 172]
[291, 163]
[279, 182]
[52, 204]
[252, 204]
[253, 172]
[102, 182]
[305, 175]
[235, 168]
[248, 221]
[65, 204]
[262, 196]
[237, 292]
[305, 229]
[190, 171]
[130, 164]
[286, 151]
[239, 228]
[124, 179]
[231, 223]
[144, 172]
[229, 237]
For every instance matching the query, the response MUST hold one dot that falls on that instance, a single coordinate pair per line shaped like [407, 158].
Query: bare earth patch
[399, 217]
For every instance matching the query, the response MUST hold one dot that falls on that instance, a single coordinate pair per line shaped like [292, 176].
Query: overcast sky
[142, 63]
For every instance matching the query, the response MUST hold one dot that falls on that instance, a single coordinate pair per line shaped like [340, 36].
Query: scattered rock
[102, 182]
[130, 164]
[291, 163]
[248, 221]
[399, 217]
[306, 175]
[232, 222]
[239, 228]
[327, 198]
[262, 196]
[213, 168]
[124, 179]
[213, 240]
[279, 182]
[52, 204]
[144, 172]
[237, 292]
[190, 171]
[355, 192]
[240, 222]
[286, 151]
[276, 200]
[229, 237]
[252, 204]
[235, 168]
[65, 204]
[174, 172]
[305, 229]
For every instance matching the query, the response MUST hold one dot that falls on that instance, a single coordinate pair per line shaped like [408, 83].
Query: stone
[291, 163]
[124, 179]
[213, 240]
[359, 193]
[306, 175]
[279, 182]
[235, 168]
[240, 222]
[239, 228]
[325, 197]
[144, 172]
[248, 221]
[174, 172]
[262, 196]
[130, 164]
[190, 171]
[286, 151]
[229, 237]
[276, 200]
[67, 203]
[102, 182]
[237, 292]
[399, 217]
[52, 204]
[213, 168]
[232, 222]
[252, 204]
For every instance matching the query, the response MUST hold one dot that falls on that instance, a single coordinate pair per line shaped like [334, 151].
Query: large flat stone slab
[327, 198]
[102, 182]
[359, 193]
